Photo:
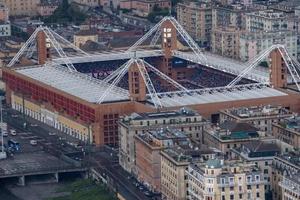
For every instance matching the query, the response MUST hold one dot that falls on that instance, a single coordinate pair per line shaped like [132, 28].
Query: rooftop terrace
[258, 111]
[292, 123]
[164, 137]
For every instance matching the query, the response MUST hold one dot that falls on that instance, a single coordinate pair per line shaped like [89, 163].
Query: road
[105, 160]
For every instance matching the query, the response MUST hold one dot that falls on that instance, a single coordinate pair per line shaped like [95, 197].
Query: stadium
[84, 95]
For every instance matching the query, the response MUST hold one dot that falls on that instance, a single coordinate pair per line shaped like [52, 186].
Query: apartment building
[174, 162]
[142, 8]
[196, 18]
[82, 36]
[148, 146]
[261, 117]
[228, 15]
[253, 43]
[230, 134]
[184, 119]
[282, 165]
[266, 20]
[216, 179]
[290, 185]
[288, 131]
[225, 41]
[260, 153]
[4, 13]
[22, 8]
[90, 3]
[47, 7]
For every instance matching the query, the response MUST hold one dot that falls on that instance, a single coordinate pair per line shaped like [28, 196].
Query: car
[4, 134]
[33, 142]
[34, 125]
[14, 116]
[13, 132]
[141, 188]
[52, 133]
[62, 138]
[148, 194]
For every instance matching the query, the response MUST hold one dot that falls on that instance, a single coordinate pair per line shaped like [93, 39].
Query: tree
[156, 12]
[66, 13]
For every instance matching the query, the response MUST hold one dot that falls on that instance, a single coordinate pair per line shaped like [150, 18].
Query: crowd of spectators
[206, 78]
[202, 77]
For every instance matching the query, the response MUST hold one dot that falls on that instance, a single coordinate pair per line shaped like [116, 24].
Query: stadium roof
[217, 95]
[75, 83]
[90, 89]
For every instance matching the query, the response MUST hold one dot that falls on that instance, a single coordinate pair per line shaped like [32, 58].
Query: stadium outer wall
[70, 114]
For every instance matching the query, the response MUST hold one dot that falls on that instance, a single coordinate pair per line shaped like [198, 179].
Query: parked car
[148, 193]
[33, 142]
[52, 133]
[13, 132]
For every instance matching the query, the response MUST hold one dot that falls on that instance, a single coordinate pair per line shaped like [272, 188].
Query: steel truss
[57, 43]
[117, 79]
[24, 47]
[59, 49]
[157, 29]
[289, 62]
[143, 66]
[155, 38]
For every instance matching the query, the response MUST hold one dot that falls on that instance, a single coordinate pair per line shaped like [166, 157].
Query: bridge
[37, 164]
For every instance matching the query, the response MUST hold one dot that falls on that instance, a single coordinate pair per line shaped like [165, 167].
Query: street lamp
[2, 153]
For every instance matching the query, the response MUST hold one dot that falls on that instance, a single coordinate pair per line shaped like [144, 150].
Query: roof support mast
[289, 63]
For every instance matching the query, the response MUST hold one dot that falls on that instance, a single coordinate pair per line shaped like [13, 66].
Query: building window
[257, 178]
[231, 197]
[223, 180]
[257, 194]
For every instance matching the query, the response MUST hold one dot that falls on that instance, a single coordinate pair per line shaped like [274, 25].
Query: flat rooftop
[75, 83]
[182, 112]
[291, 123]
[258, 111]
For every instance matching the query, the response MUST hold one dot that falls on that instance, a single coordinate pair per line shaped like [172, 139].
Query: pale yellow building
[90, 3]
[283, 165]
[81, 37]
[216, 180]
[290, 185]
[185, 120]
[22, 7]
[225, 41]
[174, 163]
[261, 117]
[54, 119]
[196, 18]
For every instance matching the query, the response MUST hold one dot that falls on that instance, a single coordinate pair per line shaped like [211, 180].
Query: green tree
[156, 12]
[66, 13]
